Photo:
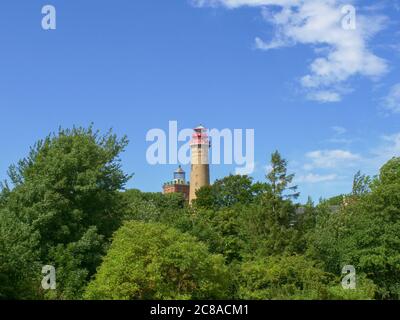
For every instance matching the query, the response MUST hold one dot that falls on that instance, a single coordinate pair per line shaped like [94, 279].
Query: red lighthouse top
[200, 136]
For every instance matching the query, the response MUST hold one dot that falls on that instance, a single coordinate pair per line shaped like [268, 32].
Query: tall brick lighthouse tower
[200, 174]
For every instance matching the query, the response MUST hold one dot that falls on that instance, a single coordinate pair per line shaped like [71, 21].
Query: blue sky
[328, 99]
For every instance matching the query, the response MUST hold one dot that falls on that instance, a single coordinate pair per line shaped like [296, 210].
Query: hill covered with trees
[65, 205]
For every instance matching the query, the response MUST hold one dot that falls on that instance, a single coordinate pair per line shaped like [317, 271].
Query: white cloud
[390, 148]
[330, 159]
[337, 166]
[239, 3]
[338, 137]
[324, 96]
[268, 169]
[316, 178]
[341, 141]
[341, 54]
[339, 130]
[392, 101]
[260, 44]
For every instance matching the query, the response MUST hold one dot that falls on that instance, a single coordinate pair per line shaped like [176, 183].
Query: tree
[266, 228]
[268, 224]
[296, 278]
[365, 290]
[239, 240]
[153, 261]
[306, 222]
[283, 278]
[151, 207]
[68, 185]
[19, 259]
[76, 262]
[361, 184]
[220, 229]
[365, 234]
[280, 181]
[390, 173]
[227, 192]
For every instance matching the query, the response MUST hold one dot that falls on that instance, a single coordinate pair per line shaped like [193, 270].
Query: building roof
[180, 170]
[200, 128]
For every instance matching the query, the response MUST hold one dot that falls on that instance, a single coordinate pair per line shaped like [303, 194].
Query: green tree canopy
[279, 180]
[69, 184]
[269, 223]
[283, 277]
[153, 261]
[365, 234]
[296, 278]
[149, 206]
[19, 258]
[229, 191]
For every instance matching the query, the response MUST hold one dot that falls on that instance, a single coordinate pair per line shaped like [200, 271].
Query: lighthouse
[200, 173]
[178, 185]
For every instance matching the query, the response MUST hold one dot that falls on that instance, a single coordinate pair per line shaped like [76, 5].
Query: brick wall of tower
[199, 177]
[177, 188]
[200, 169]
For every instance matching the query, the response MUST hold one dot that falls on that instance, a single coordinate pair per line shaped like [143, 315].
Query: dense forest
[66, 205]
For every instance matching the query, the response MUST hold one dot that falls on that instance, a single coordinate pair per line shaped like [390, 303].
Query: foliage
[67, 187]
[282, 278]
[240, 239]
[76, 262]
[361, 184]
[152, 261]
[365, 290]
[366, 234]
[280, 180]
[18, 258]
[150, 207]
[227, 192]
